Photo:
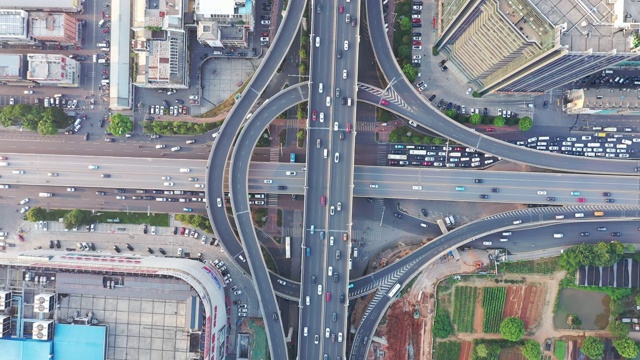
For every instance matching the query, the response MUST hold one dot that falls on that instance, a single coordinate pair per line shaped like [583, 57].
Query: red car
[101, 13]
[313, 115]
[265, 34]
[341, 9]
[3, 158]
[348, 127]
[21, 237]
[416, 21]
[323, 200]
[426, 163]
[417, 43]
[182, 231]
[582, 200]
[106, 31]
[328, 296]
[491, 129]
[384, 102]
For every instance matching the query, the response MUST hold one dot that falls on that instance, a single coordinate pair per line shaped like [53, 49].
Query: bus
[292, 158]
[287, 243]
[394, 290]
[396, 157]
[418, 152]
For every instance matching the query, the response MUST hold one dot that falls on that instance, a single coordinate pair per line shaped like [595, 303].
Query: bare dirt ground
[511, 354]
[402, 325]
[479, 313]
[525, 302]
[465, 350]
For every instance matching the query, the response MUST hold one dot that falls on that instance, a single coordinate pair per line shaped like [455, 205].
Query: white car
[24, 210]
[161, 146]
[344, 74]
[175, 148]
[330, 270]
[24, 201]
[415, 16]
[121, 197]
[417, 57]
[193, 97]
[339, 206]
[320, 88]
[339, 337]
[417, 187]
[219, 202]
[71, 189]
[417, 38]
[168, 184]
[332, 210]
[264, 39]
[200, 186]
[327, 332]
[291, 173]
[488, 243]
[319, 289]
[346, 45]
[328, 101]
[373, 186]
[542, 192]
[265, 22]
[28, 92]
[336, 158]
[335, 126]
[321, 117]
[268, 181]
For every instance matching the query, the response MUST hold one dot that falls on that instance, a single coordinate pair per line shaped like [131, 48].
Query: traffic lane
[542, 236]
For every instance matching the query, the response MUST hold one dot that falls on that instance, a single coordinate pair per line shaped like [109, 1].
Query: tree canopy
[75, 218]
[475, 119]
[46, 121]
[525, 124]
[531, 350]
[600, 254]
[618, 329]
[410, 72]
[499, 121]
[512, 328]
[593, 347]
[35, 214]
[120, 125]
[626, 347]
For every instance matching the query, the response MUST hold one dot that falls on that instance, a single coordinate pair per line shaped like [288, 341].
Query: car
[175, 148]
[268, 181]
[336, 157]
[460, 188]
[313, 115]
[416, 21]
[344, 74]
[542, 192]
[71, 189]
[487, 243]
[373, 186]
[129, 247]
[341, 9]
[602, 228]
[93, 167]
[265, 22]
[384, 102]
[339, 206]
[606, 194]
[316, 339]
[477, 181]
[24, 201]
[346, 45]
[398, 215]
[584, 233]
[484, 196]
[332, 210]
[12, 101]
[582, 200]
[551, 198]
[323, 200]
[340, 337]
[416, 43]
[116, 248]
[264, 39]
[417, 47]
[575, 193]
[319, 289]
[327, 332]
[328, 296]
[616, 233]
[237, 292]
[609, 200]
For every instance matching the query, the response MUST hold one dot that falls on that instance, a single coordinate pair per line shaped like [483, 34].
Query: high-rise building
[535, 46]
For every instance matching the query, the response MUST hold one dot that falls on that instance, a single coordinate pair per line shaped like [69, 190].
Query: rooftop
[47, 25]
[13, 23]
[10, 65]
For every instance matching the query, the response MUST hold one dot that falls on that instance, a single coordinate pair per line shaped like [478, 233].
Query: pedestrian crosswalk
[274, 154]
[292, 123]
[369, 126]
[381, 155]
[272, 200]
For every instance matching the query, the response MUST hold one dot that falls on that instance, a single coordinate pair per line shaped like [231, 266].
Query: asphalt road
[217, 162]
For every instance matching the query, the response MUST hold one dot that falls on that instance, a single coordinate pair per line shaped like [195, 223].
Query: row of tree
[44, 120]
[600, 254]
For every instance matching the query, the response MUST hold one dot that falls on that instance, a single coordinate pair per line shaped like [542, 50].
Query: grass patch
[179, 127]
[226, 105]
[264, 140]
[279, 221]
[560, 349]
[268, 260]
[161, 219]
[544, 266]
[448, 350]
[260, 216]
[408, 135]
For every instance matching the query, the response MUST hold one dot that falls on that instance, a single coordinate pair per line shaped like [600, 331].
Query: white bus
[418, 152]
[394, 290]
[396, 157]
[287, 243]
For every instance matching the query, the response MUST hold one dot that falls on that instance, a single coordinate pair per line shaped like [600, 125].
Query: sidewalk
[537, 254]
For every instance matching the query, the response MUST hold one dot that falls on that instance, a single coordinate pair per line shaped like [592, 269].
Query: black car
[149, 250]
[116, 248]
[339, 54]
[341, 135]
[172, 200]
[175, 230]
[336, 277]
[101, 123]
[158, 192]
[414, 25]
[165, 103]
[314, 279]
[484, 196]
[129, 247]
[343, 100]
[120, 191]
[342, 298]
[161, 250]
[607, 194]
[398, 215]
[424, 212]
[609, 200]
[144, 229]
[545, 104]
[477, 181]
[495, 190]
[106, 176]
[282, 187]
[370, 200]
[602, 228]
[51, 244]
[92, 246]
[584, 233]
[616, 233]
[149, 197]
[415, 65]
[432, 97]
[551, 198]
[416, 34]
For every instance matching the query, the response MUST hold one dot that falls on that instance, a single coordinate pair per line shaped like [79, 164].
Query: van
[326, 153]
[608, 71]
[45, 194]
[95, 58]
[308, 300]
[626, 141]
[621, 146]
[102, 22]
[506, 233]
[559, 216]
[579, 215]
[516, 222]
[348, 101]
[558, 235]
[102, 45]
[102, 61]
[543, 138]
[78, 122]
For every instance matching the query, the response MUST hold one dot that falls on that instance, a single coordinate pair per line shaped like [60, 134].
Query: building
[13, 26]
[517, 46]
[11, 67]
[56, 28]
[224, 23]
[72, 6]
[53, 69]
[160, 45]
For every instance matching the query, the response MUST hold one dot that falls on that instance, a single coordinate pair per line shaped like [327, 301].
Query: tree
[76, 218]
[35, 214]
[120, 125]
[47, 127]
[384, 115]
[619, 329]
[512, 328]
[525, 124]
[626, 347]
[475, 119]
[405, 23]
[498, 121]
[410, 72]
[451, 113]
[481, 350]
[300, 135]
[593, 347]
[442, 327]
[303, 54]
[531, 350]
[404, 51]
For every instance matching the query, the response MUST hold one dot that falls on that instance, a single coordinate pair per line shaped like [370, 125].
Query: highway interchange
[336, 178]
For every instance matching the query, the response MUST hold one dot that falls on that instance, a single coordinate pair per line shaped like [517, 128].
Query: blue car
[308, 251]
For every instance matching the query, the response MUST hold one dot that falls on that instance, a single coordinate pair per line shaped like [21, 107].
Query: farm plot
[525, 302]
[447, 350]
[464, 301]
[493, 300]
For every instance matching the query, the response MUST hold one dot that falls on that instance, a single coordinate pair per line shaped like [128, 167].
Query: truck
[45, 194]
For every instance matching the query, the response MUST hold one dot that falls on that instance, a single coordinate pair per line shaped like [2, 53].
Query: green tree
[394, 137]
[481, 350]
[383, 115]
[76, 218]
[618, 329]
[593, 347]
[638, 300]
[47, 127]
[405, 23]
[498, 121]
[512, 328]
[120, 125]
[410, 72]
[302, 68]
[451, 113]
[531, 350]
[438, 141]
[406, 39]
[626, 347]
[404, 51]
[442, 327]
[300, 135]
[475, 119]
[303, 54]
[35, 214]
[525, 124]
